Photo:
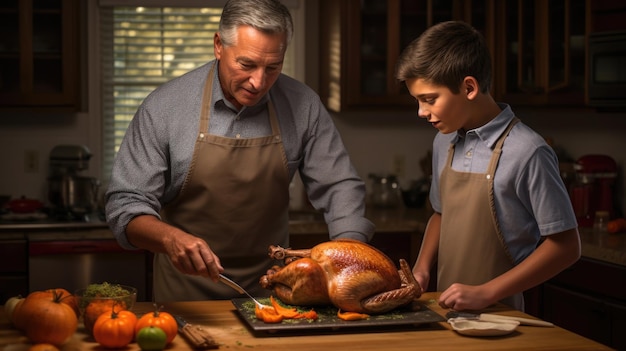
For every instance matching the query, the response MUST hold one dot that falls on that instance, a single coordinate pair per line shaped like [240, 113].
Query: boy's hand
[461, 297]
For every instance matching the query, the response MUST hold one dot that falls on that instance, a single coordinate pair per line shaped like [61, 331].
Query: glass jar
[385, 191]
[600, 221]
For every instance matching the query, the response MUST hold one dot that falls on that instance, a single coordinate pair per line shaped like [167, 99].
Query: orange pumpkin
[115, 329]
[65, 296]
[96, 308]
[43, 347]
[159, 319]
[46, 318]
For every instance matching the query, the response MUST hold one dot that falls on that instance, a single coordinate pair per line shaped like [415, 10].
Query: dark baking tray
[328, 320]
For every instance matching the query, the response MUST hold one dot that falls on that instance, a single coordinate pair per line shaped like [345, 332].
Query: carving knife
[497, 317]
[229, 282]
[197, 336]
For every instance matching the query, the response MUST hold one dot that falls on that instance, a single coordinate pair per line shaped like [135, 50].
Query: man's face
[438, 105]
[249, 67]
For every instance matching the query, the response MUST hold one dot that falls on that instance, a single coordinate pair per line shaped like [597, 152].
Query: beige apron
[471, 247]
[235, 197]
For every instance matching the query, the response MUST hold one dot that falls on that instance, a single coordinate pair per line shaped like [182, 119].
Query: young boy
[503, 221]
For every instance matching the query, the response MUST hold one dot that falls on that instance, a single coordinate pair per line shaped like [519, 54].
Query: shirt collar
[490, 132]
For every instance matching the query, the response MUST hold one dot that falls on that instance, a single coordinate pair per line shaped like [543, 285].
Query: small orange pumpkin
[115, 329]
[160, 319]
[96, 308]
[43, 347]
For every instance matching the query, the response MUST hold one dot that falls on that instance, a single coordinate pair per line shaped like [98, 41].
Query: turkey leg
[279, 253]
[389, 300]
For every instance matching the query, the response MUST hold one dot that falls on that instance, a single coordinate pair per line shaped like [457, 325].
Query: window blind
[144, 47]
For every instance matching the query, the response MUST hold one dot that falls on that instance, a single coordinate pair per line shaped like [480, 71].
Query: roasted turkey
[351, 275]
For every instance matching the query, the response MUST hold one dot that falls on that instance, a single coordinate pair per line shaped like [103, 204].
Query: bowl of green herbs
[96, 299]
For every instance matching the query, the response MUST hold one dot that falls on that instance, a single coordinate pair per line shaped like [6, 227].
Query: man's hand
[192, 255]
[188, 253]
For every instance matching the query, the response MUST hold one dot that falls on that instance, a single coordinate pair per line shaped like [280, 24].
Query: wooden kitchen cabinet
[586, 315]
[361, 42]
[540, 51]
[607, 15]
[538, 47]
[39, 57]
[589, 299]
[13, 268]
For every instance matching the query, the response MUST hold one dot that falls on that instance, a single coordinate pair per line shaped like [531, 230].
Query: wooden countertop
[221, 319]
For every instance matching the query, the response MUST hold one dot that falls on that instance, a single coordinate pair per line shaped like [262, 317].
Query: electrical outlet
[399, 165]
[31, 161]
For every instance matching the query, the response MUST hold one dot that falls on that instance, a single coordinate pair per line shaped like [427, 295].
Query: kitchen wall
[374, 138]
[26, 142]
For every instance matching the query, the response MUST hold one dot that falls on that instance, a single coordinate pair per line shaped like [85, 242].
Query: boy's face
[446, 111]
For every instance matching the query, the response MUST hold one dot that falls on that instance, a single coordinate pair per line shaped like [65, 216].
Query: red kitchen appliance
[593, 188]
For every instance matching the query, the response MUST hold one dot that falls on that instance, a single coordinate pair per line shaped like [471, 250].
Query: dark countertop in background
[603, 246]
[600, 246]
[385, 220]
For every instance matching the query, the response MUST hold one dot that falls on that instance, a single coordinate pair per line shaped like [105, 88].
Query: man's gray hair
[268, 16]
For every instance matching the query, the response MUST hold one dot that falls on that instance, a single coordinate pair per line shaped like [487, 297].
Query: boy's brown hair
[445, 54]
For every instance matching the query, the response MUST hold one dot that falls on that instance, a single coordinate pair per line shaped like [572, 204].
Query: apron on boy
[472, 249]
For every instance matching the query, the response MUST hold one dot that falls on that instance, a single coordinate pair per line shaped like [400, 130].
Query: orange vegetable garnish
[307, 315]
[267, 314]
[283, 311]
[276, 313]
[351, 316]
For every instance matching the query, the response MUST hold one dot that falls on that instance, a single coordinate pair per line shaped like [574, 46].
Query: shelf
[363, 40]
[39, 58]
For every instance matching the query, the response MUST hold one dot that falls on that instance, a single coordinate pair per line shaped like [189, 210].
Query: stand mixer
[593, 188]
[71, 194]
